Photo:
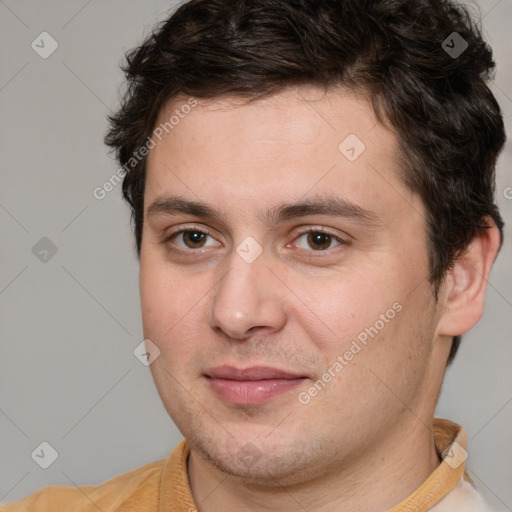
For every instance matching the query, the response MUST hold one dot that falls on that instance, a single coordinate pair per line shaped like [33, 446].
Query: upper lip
[252, 373]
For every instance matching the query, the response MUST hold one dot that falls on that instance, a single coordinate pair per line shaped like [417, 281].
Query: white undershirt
[463, 498]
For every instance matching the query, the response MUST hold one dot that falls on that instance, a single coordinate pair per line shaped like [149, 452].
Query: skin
[365, 441]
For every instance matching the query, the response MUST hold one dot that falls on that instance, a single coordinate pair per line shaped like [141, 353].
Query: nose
[249, 297]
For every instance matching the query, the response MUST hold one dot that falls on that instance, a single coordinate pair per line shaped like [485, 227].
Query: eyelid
[321, 229]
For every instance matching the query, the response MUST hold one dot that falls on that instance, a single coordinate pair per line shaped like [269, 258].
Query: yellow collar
[451, 444]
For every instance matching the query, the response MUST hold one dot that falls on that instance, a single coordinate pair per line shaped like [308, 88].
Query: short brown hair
[449, 124]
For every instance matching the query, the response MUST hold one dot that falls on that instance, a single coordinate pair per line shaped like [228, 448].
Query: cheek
[170, 301]
[154, 298]
[370, 317]
[349, 305]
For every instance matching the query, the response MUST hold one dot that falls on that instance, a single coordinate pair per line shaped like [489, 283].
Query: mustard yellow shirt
[163, 486]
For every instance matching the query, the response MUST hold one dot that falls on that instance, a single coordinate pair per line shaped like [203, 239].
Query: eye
[319, 239]
[190, 238]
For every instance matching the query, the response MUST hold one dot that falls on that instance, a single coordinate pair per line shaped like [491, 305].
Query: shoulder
[464, 497]
[131, 490]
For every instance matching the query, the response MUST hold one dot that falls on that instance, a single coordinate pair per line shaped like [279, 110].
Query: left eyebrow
[332, 206]
[326, 205]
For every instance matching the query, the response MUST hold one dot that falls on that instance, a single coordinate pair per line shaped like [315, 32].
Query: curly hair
[397, 52]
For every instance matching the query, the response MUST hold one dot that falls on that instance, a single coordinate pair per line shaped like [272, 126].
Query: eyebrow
[333, 206]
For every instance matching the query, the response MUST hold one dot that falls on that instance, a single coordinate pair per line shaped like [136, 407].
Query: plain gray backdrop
[70, 311]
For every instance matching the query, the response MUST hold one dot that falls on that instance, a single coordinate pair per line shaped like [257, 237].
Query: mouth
[251, 386]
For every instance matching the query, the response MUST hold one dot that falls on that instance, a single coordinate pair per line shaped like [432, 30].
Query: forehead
[298, 115]
[298, 143]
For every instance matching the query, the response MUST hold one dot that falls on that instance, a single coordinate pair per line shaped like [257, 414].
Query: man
[312, 193]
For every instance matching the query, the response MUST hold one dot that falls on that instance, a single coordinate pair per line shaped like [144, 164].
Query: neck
[379, 479]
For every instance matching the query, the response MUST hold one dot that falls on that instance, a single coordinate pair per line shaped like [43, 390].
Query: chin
[257, 461]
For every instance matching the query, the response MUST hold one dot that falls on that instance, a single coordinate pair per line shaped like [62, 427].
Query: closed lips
[252, 373]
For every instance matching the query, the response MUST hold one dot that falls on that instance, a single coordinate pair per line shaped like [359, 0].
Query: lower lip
[252, 392]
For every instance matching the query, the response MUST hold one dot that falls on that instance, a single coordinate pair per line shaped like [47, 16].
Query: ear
[466, 283]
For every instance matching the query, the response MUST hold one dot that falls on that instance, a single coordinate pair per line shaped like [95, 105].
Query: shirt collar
[450, 440]
[451, 445]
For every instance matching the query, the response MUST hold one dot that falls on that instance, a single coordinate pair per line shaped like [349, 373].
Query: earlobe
[466, 283]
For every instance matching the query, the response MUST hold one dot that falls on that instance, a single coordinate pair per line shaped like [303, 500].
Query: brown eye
[194, 239]
[319, 240]
[188, 239]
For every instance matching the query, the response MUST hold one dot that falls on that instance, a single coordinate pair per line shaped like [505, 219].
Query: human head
[447, 121]
[256, 140]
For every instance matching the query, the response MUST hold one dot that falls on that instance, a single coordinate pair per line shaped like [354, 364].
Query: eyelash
[206, 232]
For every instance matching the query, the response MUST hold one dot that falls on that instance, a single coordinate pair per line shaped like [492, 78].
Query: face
[292, 311]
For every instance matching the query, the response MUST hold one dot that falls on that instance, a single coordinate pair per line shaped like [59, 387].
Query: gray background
[69, 325]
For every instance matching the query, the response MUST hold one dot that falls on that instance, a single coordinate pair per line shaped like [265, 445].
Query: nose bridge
[246, 296]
